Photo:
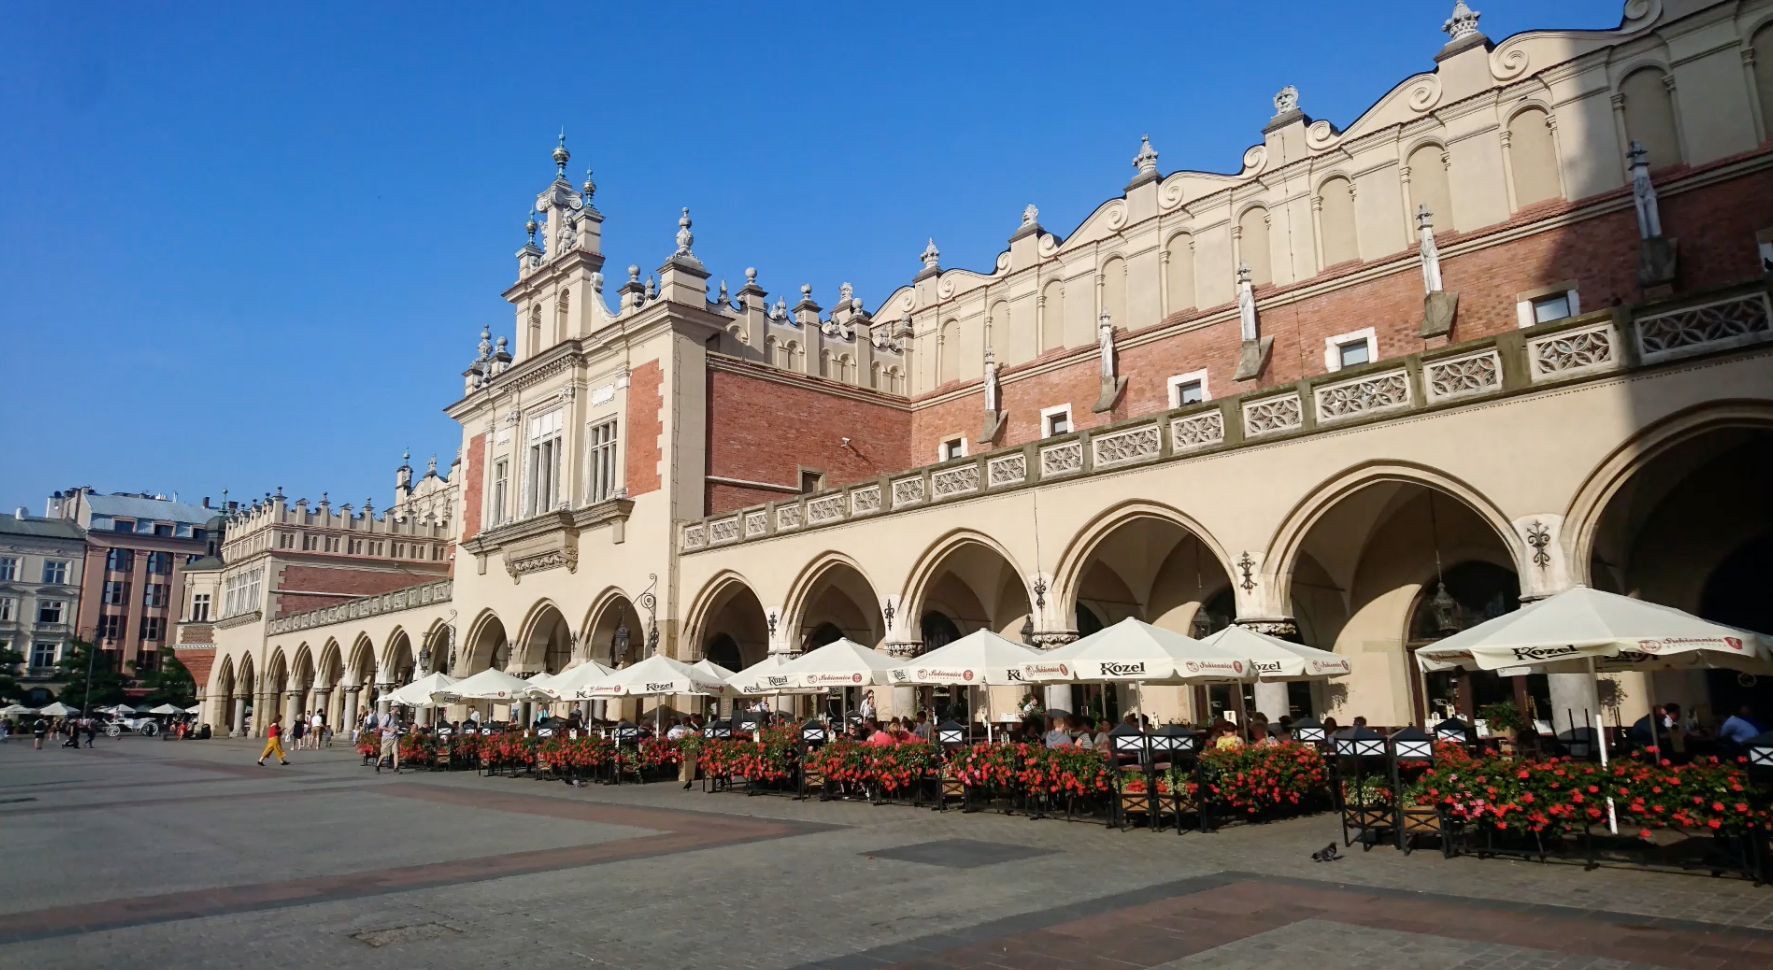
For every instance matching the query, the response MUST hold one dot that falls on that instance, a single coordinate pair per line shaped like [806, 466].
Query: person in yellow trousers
[273, 744]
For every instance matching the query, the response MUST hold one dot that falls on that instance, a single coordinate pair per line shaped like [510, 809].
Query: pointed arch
[221, 678]
[728, 606]
[486, 634]
[914, 598]
[1067, 575]
[819, 576]
[361, 667]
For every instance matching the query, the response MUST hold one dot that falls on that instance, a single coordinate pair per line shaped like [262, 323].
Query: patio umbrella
[194, 709]
[840, 663]
[1133, 651]
[1617, 633]
[566, 685]
[57, 709]
[418, 693]
[979, 659]
[490, 684]
[654, 676]
[712, 669]
[120, 709]
[766, 677]
[166, 709]
[15, 709]
[1277, 659]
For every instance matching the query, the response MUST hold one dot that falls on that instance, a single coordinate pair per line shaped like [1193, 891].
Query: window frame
[1526, 303]
[1047, 414]
[9, 569]
[942, 454]
[1333, 348]
[602, 460]
[1173, 388]
[200, 607]
[60, 607]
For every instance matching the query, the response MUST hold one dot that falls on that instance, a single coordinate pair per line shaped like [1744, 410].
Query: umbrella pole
[1243, 718]
[1600, 735]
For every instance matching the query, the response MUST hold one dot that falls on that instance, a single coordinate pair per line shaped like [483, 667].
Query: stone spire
[684, 236]
[1462, 24]
[561, 155]
[1145, 162]
[932, 260]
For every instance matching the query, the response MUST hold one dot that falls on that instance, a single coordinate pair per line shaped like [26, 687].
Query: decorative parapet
[406, 598]
[1590, 347]
[241, 619]
[551, 539]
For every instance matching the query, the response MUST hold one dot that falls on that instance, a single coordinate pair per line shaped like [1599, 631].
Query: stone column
[348, 714]
[382, 704]
[900, 701]
[322, 703]
[1056, 696]
[292, 709]
[237, 716]
[264, 707]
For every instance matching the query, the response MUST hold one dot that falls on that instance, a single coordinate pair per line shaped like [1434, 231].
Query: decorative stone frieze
[757, 522]
[907, 491]
[1708, 326]
[1197, 431]
[865, 500]
[723, 530]
[411, 597]
[1462, 376]
[1373, 393]
[788, 517]
[822, 510]
[1570, 352]
[951, 482]
[1273, 415]
[694, 536]
[1008, 470]
[1062, 459]
[1125, 447]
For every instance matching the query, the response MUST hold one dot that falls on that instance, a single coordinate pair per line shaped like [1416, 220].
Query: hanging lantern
[1446, 610]
[812, 733]
[1359, 742]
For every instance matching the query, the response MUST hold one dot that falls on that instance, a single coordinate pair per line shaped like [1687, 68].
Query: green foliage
[106, 685]
[171, 684]
[9, 686]
[1503, 716]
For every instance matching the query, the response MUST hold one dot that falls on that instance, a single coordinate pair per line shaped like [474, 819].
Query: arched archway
[1357, 574]
[545, 643]
[834, 595]
[1690, 525]
[486, 645]
[246, 696]
[730, 620]
[616, 636]
[965, 583]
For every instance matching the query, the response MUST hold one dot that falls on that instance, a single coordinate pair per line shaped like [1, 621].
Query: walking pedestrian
[91, 730]
[273, 744]
[390, 743]
[317, 728]
[39, 731]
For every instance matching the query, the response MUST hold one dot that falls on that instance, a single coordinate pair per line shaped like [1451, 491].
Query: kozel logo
[659, 688]
[1015, 674]
[1541, 653]
[1267, 666]
[777, 681]
[1122, 670]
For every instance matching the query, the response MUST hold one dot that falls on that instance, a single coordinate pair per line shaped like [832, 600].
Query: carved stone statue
[1431, 254]
[1287, 99]
[1254, 349]
[1029, 215]
[1105, 345]
[1643, 193]
[990, 380]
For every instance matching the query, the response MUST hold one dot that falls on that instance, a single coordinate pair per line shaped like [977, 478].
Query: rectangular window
[145, 528]
[110, 626]
[116, 593]
[500, 491]
[119, 560]
[8, 609]
[8, 569]
[1549, 308]
[240, 593]
[200, 608]
[122, 525]
[1353, 353]
[1189, 388]
[810, 482]
[147, 660]
[602, 470]
[42, 654]
[155, 595]
[951, 449]
[151, 627]
[1351, 349]
[332, 543]
[1055, 420]
[162, 530]
[55, 572]
[542, 485]
[160, 563]
[49, 611]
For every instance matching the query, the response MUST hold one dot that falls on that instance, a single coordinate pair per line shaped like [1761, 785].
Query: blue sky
[246, 246]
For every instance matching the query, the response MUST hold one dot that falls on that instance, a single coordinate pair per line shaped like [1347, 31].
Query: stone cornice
[239, 619]
[405, 598]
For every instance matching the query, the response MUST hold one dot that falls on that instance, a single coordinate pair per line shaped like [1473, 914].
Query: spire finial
[589, 187]
[931, 255]
[530, 226]
[1463, 22]
[684, 236]
[561, 155]
[1146, 160]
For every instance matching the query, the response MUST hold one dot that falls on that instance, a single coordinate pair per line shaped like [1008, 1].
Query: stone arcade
[1505, 332]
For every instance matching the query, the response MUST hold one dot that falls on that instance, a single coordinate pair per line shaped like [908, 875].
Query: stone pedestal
[994, 422]
[1438, 310]
[1657, 265]
[1109, 395]
[1252, 357]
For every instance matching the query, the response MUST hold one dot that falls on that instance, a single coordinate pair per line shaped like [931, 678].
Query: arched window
[846, 369]
[790, 351]
[1180, 252]
[874, 375]
[769, 351]
[1428, 186]
[948, 353]
[1336, 221]
[1649, 116]
[825, 364]
[1532, 157]
[1253, 245]
[1114, 291]
[1052, 317]
[1000, 321]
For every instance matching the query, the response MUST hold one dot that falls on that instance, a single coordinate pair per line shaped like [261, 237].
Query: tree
[107, 684]
[171, 684]
[9, 686]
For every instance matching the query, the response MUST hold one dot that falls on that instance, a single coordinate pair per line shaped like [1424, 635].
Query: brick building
[1505, 332]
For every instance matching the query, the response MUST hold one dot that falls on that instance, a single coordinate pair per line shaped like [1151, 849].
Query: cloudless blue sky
[252, 245]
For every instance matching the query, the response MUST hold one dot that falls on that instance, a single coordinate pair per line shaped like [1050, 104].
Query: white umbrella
[981, 658]
[119, 709]
[194, 709]
[840, 663]
[1277, 659]
[12, 709]
[712, 669]
[490, 684]
[418, 693]
[1133, 651]
[57, 709]
[166, 709]
[1616, 632]
[766, 677]
[656, 675]
[567, 685]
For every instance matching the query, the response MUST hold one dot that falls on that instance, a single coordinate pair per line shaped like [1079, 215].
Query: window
[286, 540]
[123, 525]
[810, 482]
[602, 447]
[355, 547]
[1052, 316]
[155, 594]
[147, 660]
[1547, 304]
[116, 593]
[1189, 388]
[43, 654]
[375, 548]
[310, 542]
[240, 593]
[55, 572]
[8, 608]
[1252, 227]
[161, 529]
[542, 476]
[200, 608]
[151, 627]
[160, 563]
[332, 543]
[952, 448]
[8, 569]
[399, 550]
[1350, 349]
[145, 528]
[437, 552]
[110, 626]
[1055, 420]
[49, 611]
[119, 560]
[501, 480]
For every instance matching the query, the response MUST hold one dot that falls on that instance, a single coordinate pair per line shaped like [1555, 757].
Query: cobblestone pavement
[157, 854]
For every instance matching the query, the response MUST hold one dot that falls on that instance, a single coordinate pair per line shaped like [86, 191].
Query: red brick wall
[1715, 227]
[767, 430]
[646, 401]
[303, 587]
[473, 476]
[198, 661]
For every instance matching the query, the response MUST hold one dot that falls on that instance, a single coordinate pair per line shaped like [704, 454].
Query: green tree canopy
[107, 684]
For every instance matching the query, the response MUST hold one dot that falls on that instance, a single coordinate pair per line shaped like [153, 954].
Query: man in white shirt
[317, 728]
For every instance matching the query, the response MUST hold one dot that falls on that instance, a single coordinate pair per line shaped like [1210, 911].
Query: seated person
[1059, 736]
[1737, 731]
